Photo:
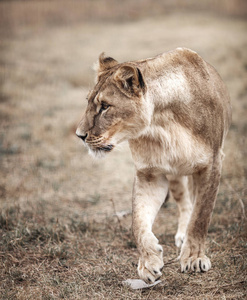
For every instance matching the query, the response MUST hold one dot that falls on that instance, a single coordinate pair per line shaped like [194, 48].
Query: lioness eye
[104, 106]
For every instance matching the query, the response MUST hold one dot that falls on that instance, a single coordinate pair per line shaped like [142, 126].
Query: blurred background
[48, 183]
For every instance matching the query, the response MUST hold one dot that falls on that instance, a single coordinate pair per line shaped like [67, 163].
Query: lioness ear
[104, 63]
[130, 80]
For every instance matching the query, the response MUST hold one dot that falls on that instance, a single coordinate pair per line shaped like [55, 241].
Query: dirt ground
[61, 226]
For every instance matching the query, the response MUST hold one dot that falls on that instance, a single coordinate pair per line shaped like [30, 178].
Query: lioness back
[182, 82]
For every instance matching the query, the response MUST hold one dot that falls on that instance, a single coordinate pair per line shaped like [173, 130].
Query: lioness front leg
[192, 256]
[150, 190]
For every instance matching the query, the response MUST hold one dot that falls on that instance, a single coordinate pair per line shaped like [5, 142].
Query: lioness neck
[190, 113]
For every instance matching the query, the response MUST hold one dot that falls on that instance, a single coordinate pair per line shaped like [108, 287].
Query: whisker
[93, 143]
[94, 140]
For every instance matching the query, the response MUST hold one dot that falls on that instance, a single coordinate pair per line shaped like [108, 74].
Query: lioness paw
[179, 238]
[149, 269]
[150, 265]
[199, 264]
[193, 260]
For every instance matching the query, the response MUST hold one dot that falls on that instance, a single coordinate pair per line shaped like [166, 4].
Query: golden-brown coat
[175, 112]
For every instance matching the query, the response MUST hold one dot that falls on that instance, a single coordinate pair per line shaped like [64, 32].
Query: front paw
[192, 258]
[151, 264]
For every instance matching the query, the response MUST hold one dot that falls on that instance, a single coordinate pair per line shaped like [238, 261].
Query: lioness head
[116, 109]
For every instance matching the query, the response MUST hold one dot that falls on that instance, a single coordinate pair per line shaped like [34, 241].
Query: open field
[61, 233]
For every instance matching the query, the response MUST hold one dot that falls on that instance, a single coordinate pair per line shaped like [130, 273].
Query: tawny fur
[175, 112]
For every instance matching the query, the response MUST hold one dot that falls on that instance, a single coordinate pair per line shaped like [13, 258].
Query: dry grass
[43, 258]
[59, 234]
[38, 13]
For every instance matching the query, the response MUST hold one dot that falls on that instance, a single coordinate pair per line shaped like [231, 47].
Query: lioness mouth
[106, 148]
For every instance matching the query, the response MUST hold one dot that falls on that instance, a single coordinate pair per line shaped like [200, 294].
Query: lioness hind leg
[182, 190]
[192, 256]
[150, 189]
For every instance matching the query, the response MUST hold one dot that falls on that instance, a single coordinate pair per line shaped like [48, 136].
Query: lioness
[175, 112]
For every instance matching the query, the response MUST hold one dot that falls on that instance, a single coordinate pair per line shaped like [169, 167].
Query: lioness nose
[83, 137]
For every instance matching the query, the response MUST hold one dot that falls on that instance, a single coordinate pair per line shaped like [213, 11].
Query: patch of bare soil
[60, 236]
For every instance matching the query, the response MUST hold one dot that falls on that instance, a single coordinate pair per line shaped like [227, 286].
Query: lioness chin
[175, 112]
